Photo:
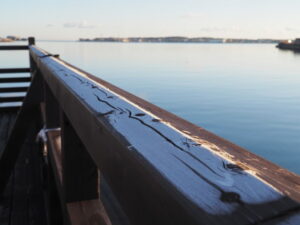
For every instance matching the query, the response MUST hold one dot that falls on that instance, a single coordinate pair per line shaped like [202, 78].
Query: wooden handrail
[13, 89]
[11, 99]
[15, 70]
[14, 79]
[13, 47]
[163, 169]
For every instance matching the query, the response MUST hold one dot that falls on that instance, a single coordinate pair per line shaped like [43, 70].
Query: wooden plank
[262, 168]
[13, 89]
[290, 218]
[57, 212]
[76, 160]
[12, 99]
[55, 163]
[89, 212]
[28, 113]
[6, 122]
[14, 79]
[20, 201]
[15, 70]
[82, 212]
[4, 126]
[13, 47]
[6, 202]
[36, 182]
[162, 175]
[52, 110]
[112, 206]
[10, 107]
[54, 140]
[28, 203]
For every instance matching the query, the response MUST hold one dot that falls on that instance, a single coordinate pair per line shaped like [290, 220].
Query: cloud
[220, 29]
[192, 15]
[49, 25]
[291, 29]
[81, 25]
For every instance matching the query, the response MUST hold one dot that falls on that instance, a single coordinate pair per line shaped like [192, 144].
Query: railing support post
[31, 41]
[56, 209]
[51, 109]
[80, 174]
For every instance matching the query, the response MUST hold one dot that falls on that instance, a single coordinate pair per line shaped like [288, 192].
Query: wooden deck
[22, 202]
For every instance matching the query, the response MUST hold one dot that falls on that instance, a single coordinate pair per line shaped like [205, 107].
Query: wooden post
[31, 41]
[51, 119]
[80, 174]
[51, 109]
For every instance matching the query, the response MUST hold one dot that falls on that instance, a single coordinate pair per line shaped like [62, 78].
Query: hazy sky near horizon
[72, 19]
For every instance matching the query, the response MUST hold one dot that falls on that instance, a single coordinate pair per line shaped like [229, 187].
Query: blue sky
[71, 19]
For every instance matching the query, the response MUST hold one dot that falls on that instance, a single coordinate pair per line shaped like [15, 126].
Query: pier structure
[290, 45]
[75, 149]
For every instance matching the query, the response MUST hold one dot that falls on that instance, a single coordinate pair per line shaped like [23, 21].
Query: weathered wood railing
[161, 168]
[12, 101]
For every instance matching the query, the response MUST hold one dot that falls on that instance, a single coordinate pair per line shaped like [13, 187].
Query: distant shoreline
[5, 40]
[179, 40]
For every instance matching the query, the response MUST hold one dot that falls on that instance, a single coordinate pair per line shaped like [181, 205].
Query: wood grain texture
[285, 181]
[15, 70]
[163, 174]
[14, 79]
[55, 162]
[12, 99]
[28, 114]
[80, 174]
[291, 218]
[13, 89]
[22, 200]
[80, 212]
[89, 212]
[13, 47]
[6, 122]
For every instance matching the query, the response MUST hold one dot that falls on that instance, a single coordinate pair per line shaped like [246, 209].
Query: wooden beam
[159, 173]
[57, 211]
[28, 114]
[12, 99]
[10, 106]
[13, 89]
[81, 212]
[15, 70]
[14, 79]
[52, 109]
[55, 163]
[31, 42]
[91, 212]
[13, 47]
[80, 174]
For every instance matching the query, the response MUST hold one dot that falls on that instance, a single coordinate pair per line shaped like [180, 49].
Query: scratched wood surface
[22, 200]
[162, 174]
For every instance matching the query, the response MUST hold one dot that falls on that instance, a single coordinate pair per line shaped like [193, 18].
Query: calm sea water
[246, 93]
